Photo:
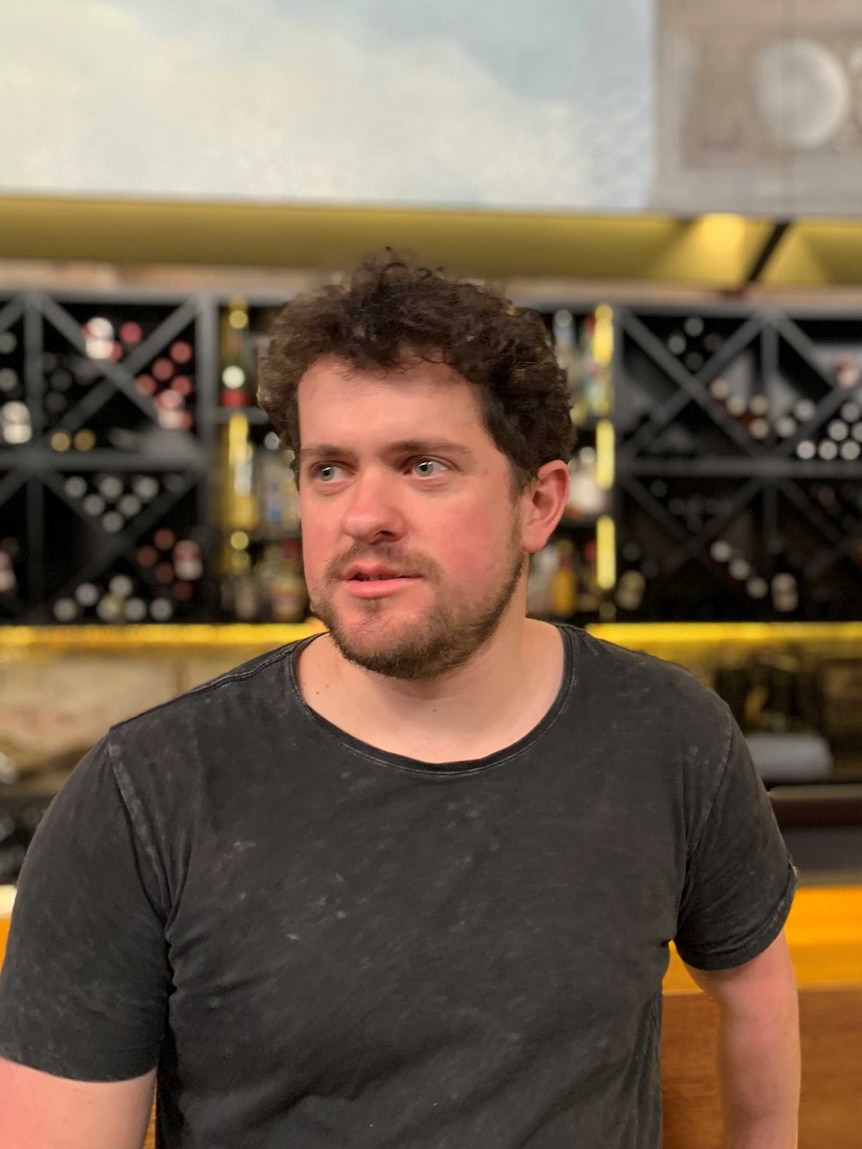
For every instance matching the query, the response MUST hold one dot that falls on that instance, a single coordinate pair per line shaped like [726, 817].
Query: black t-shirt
[322, 944]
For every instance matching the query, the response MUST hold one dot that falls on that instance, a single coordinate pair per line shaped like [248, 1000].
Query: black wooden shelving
[723, 482]
[739, 464]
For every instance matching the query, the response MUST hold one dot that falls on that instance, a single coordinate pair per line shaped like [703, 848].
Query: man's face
[411, 534]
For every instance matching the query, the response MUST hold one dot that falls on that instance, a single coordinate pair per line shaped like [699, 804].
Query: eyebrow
[400, 447]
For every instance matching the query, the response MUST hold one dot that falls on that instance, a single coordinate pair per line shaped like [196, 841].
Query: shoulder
[251, 685]
[228, 719]
[650, 711]
[633, 678]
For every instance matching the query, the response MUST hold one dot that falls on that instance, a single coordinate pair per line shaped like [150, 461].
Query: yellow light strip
[24, 640]
[650, 635]
[605, 454]
[606, 553]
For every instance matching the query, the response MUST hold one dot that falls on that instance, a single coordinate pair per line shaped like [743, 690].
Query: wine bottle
[75, 487]
[237, 386]
[15, 425]
[9, 381]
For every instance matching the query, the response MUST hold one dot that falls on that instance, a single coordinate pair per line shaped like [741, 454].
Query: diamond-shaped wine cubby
[119, 377]
[739, 465]
[123, 547]
[107, 430]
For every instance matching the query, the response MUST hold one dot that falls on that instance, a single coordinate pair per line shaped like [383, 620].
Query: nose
[371, 512]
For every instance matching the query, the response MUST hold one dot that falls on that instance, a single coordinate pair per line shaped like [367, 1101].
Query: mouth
[377, 577]
[370, 583]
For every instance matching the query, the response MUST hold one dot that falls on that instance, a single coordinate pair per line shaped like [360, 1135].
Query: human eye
[326, 473]
[428, 468]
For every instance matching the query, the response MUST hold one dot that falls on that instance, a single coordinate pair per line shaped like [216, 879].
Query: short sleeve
[83, 988]
[740, 879]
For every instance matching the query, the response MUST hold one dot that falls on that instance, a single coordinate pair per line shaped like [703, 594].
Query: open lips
[372, 574]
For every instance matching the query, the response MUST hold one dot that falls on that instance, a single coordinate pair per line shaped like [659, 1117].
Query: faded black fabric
[321, 944]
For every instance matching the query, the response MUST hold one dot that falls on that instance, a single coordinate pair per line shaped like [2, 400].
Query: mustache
[384, 554]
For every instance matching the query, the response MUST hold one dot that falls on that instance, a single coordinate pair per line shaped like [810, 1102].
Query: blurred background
[674, 187]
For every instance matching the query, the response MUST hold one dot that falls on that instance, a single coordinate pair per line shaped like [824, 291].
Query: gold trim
[23, 640]
[645, 635]
[711, 251]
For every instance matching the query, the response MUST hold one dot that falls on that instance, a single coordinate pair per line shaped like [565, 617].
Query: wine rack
[116, 447]
[737, 491]
[739, 478]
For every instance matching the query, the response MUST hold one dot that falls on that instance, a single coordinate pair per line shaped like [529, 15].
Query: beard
[440, 640]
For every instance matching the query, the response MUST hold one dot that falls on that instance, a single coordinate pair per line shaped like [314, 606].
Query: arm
[40, 1111]
[758, 1048]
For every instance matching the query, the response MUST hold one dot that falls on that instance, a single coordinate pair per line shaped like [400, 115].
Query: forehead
[334, 395]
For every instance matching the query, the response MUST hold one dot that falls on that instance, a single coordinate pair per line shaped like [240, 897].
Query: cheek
[318, 547]
[478, 543]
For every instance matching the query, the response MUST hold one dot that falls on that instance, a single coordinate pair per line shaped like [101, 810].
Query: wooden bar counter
[825, 935]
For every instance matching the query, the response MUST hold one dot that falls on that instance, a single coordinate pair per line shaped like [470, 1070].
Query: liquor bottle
[8, 578]
[288, 594]
[600, 331]
[276, 493]
[564, 585]
[238, 506]
[240, 589]
[586, 498]
[237, 386]
[590, 596]
[542, 567]
[567, 352]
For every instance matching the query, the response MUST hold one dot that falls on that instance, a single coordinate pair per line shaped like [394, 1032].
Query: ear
[542, 505]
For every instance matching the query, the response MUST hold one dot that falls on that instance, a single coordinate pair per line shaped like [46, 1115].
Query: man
[411, 883]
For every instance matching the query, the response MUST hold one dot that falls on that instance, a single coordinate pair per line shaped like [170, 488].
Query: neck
[508, 684]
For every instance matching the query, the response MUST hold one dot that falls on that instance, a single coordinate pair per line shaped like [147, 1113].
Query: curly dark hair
[392, 311]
